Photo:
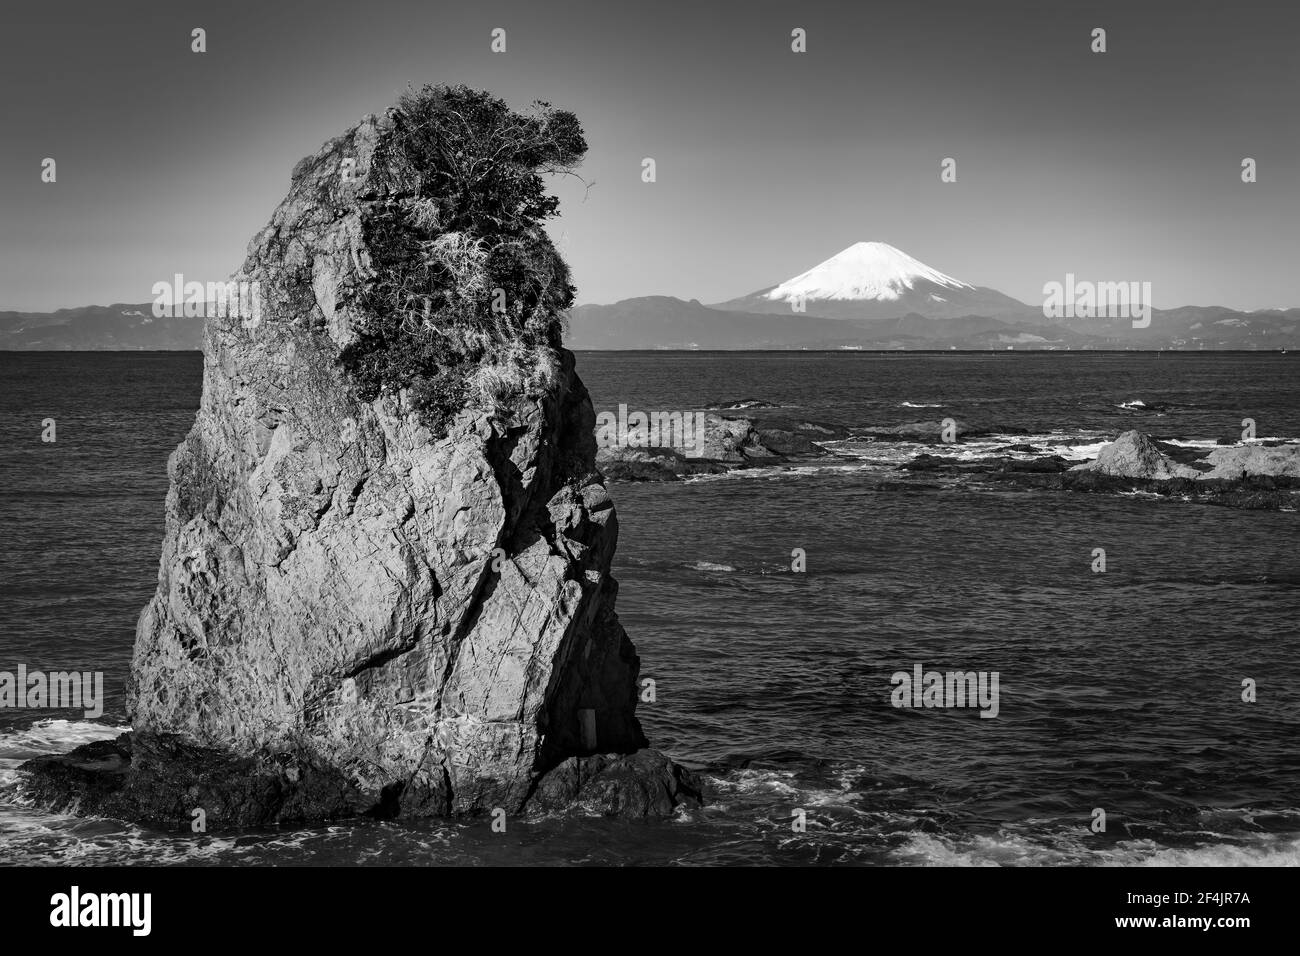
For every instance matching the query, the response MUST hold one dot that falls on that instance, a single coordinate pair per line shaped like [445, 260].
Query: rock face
[353, 614]
[1134, 455]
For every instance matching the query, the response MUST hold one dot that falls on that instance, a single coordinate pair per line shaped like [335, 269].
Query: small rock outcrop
[359, 612]
[1135, 455]
[652, 464]
[1252, 461]
[1263, 476]
[729, 440]
[724, 443]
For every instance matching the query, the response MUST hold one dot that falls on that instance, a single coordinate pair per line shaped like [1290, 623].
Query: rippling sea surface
[1120, 691]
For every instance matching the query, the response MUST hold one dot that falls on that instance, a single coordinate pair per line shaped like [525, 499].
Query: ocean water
[1119, 691]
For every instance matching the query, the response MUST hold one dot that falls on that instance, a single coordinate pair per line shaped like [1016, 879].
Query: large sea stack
[385, 583]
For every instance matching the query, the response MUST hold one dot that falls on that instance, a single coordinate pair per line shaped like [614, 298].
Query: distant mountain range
[659, 322]
[98, 328]
[874, 296]
[869, 296]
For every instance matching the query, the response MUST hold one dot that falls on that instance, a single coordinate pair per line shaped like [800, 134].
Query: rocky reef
[1254, 475]
[1257, 476]
[362, 609]
[725, 443]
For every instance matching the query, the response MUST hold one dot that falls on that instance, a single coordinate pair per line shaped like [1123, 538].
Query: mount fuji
[874, 296]
[874, 280]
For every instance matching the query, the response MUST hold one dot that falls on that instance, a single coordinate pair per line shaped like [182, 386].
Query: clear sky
[1122, 166]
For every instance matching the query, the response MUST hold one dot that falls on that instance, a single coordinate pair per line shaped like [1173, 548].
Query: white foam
[32, 836]
[885, 451]
[1077, 452]
[1071, 849]
[49, 736]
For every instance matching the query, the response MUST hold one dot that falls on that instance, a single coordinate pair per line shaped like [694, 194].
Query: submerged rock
[991, 464]
[795, 437]
[356, 614]
[743, 403]
[1263, 494]
[929, 431]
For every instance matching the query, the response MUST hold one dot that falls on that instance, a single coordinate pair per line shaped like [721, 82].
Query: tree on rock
[468, 295]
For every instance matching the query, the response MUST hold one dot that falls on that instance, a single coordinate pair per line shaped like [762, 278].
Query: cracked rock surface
[354, 615]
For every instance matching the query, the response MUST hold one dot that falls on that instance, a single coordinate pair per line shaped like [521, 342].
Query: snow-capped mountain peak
[874, 271]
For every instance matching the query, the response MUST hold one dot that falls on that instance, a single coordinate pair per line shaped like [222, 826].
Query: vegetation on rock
[467, 298]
